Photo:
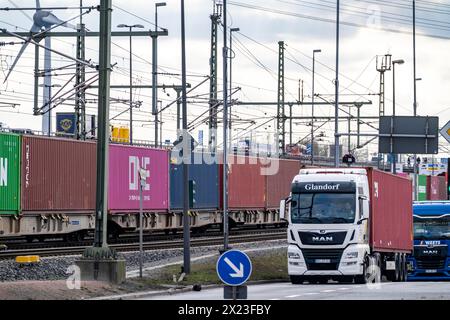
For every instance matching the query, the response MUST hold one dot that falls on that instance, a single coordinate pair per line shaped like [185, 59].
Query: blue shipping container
[206, 177]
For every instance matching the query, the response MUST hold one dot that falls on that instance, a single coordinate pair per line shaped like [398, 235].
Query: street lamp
[131, 74]
[155, 71]
[312, 105]
[400, 61]
[231, 88]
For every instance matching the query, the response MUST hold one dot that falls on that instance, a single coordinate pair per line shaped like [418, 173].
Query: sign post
[142, 178]
[234, 268]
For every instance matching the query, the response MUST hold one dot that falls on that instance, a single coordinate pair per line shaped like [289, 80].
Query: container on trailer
[9, 173]
[391, 212]
[206, 178]
[57, 175]
[422, 188]
[437, 188]
[279, 180]
[246, 183]
[123, 189]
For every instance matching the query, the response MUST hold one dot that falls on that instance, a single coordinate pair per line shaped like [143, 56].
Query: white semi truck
[348, 224]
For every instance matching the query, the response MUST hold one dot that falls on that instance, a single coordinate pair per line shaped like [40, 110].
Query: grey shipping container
[206, 177]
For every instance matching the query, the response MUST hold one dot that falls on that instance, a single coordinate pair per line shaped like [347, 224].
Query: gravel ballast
[58, 268]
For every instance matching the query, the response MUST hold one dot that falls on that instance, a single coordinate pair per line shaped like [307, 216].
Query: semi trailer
[348, 224]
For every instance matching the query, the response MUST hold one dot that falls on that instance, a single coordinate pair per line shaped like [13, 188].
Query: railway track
[153, 245]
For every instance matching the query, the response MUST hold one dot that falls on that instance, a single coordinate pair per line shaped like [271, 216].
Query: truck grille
[431, 264]
[322, 259]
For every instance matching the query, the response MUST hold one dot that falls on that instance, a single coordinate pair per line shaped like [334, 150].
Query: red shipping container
[246, 183]
[58, 175]
[279, 180]
[391, 226]
[123, 190]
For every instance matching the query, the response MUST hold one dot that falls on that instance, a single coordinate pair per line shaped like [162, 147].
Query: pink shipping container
[390, 211]
[278, 184]
[437, 188]
[123, 191]
[58, 175]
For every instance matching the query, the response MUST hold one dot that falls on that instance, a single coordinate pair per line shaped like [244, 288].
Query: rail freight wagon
[348, 224]
[246, 190]
[205, 177]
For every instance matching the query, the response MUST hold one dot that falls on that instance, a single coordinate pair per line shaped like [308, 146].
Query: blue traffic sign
[234, 267]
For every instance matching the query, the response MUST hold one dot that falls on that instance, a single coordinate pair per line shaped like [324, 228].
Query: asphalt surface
[288, 291]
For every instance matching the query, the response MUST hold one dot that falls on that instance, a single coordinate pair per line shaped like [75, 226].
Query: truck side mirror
[361, 205]
[283, 204]
[283, 209]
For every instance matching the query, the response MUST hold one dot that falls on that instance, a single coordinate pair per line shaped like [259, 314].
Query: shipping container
[123, 190]
[390, 212]
[437, 188]
[58, 175]
[422, 188]
[279, 180]
[246, 183]
[206, 178]
[9, 173]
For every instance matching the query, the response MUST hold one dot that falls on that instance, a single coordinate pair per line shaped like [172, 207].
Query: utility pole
[155, 71]
[213, 107]
[231, 84]
[101, 206]
[130, 27]
[312, 105]
[394, 156]
[178, 91]
[186, 155]
[383, 65]
[281, 116]
[336, 106]
[80, 101]
[415, 98]
[225, 118]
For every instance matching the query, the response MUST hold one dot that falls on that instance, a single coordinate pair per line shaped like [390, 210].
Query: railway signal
[192, 193]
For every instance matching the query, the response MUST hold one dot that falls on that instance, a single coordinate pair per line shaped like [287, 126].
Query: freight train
[48, 186]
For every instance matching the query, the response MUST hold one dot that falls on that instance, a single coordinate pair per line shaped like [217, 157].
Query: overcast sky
[369, 28]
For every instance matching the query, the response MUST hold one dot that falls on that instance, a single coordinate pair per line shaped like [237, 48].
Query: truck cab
[431, 258]
[331, 216]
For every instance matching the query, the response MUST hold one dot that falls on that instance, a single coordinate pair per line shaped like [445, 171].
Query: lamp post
[130, 27]
[312, 105]
[155, 71]
[231, 88]
[394, 169]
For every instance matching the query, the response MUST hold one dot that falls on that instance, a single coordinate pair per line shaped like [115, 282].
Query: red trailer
[279, 180]
[390, 212]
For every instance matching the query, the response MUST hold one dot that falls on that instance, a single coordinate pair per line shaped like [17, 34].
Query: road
[288, 291]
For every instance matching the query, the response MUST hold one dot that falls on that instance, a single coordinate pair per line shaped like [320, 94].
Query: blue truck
[431, 257]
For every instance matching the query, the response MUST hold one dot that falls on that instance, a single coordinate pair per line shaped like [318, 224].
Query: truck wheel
[296, 279]
[364, 277]
[404, 271]
[377, 267]
[398, 265]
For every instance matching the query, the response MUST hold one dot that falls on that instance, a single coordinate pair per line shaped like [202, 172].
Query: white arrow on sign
[239, 273]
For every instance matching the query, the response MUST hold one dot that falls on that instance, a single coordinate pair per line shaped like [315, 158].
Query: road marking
[344, 289]
[293, 296]
[275, 299]
[310, 293]
[327, 290]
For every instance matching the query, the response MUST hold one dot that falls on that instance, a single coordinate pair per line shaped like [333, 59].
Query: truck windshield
[432, 228]
[323, 208]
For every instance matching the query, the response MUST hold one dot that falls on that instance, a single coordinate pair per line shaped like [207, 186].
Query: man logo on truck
[322, 239]
[3, 172]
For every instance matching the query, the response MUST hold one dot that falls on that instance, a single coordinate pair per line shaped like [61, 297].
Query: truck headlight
[351, 255]
[294, 255]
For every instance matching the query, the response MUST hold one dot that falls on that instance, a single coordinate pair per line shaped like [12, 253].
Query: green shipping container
[422, 188]
[10, 150]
